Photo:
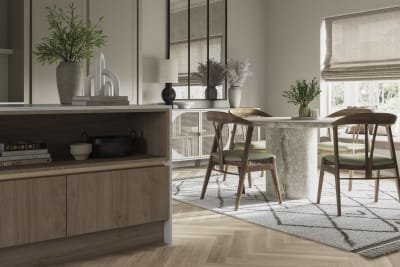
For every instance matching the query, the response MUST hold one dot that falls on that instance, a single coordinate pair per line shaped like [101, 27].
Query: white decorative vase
[234, 96]
[69, 81]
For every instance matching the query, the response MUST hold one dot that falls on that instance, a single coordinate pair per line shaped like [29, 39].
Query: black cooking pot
[111, 146]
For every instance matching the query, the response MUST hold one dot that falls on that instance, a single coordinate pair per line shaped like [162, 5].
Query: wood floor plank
[204, 238]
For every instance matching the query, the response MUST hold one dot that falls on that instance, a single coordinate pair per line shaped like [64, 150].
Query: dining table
[294, 142]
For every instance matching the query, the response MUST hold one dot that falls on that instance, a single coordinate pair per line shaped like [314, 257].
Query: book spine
[22, 146]
[24, 152]
[21, 157]
[23, 162]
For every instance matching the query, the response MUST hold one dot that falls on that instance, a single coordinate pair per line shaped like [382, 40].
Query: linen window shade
[363, 46]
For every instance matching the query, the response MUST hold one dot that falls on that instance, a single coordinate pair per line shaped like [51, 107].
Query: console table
[295, 144]
[67, 209]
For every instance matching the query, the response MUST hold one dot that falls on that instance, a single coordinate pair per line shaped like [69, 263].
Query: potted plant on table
[302, 93]
[237, 73]
[70, 42]
[211, 74]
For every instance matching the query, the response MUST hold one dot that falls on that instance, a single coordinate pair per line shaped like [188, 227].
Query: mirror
[197, 34]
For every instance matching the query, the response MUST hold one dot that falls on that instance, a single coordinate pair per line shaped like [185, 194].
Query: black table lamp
[168, 74]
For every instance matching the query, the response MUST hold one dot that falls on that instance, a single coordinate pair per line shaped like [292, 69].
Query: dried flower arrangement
[216, 73]
[237, 72]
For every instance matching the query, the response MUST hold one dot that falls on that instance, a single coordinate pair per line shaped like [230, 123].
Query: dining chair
[346, 147]
[245, 160]
[368, 162]
[239, 144]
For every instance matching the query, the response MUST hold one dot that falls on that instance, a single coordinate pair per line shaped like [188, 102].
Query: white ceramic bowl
[81, 151]
[184, 104]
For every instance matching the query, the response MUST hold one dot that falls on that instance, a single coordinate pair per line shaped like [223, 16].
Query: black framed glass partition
[197, 34]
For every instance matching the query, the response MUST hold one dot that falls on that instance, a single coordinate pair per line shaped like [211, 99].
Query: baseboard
[81, 247]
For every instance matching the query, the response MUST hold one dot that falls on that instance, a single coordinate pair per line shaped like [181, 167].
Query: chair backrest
[246, 112]
[221, 119]
[243, 113]
[355, 129]
[366, 119]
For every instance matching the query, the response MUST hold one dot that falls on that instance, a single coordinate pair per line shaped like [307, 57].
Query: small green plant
[302, 93]
[71, 39]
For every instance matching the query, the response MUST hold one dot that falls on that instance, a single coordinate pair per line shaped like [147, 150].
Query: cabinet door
[32, 210]
[186, 135]
[108, 200]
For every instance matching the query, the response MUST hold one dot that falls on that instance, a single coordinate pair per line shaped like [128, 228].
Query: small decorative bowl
[184, 104]
[81, 151]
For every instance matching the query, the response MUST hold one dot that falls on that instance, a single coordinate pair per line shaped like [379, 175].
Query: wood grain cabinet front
[32, 210]
[108, 200]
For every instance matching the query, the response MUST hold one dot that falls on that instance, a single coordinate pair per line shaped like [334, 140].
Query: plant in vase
[302, 93]
[211, 78]
[237, 73]
[71, 41]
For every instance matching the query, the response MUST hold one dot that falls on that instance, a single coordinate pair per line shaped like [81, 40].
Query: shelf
[69, 166]
[4, 51]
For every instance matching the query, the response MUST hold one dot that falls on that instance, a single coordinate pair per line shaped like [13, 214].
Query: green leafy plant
[302, 93]
[71, 39]
[216, 74]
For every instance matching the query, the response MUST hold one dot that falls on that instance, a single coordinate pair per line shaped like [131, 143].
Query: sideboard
[193, 134]
[67, 209]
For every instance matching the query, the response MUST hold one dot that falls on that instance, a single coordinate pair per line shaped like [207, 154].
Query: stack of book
[23, 153]
[100, 101]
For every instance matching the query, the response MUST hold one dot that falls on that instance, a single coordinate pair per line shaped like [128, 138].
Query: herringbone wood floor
[204, 238]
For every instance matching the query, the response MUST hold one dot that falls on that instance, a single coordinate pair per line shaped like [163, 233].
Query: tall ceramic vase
[234, 96]
[69, 81]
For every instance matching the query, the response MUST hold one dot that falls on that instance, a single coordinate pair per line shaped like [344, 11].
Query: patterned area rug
[365, 227]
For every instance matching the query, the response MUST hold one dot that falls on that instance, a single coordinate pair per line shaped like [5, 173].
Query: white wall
[293, 42]
[247, 40]
[153, 47]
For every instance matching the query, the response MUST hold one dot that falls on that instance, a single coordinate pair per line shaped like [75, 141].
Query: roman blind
[362, 46]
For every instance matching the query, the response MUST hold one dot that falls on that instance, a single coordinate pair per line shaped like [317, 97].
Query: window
[360, 61]
[383, 96]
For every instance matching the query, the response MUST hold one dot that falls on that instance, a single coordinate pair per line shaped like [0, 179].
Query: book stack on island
[23, 153]
[100, 101]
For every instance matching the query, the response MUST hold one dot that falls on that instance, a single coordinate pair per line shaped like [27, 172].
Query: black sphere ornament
[168, 94]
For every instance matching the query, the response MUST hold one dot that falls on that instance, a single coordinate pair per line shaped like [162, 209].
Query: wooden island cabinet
[66, 210]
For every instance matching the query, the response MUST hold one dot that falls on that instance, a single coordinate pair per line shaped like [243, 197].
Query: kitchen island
[66, 210]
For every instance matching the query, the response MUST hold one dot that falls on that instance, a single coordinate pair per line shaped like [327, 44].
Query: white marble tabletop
[289, 122]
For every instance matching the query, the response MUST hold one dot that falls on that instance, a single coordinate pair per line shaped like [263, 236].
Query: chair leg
[249, 178]
[242, 176]
[262, 174]
[321, 181]
[398, 183]
[225, 170]
[207, 178]
[350, 181]
[240, 171]
[338, 200]
[275, 178]
[377, 186]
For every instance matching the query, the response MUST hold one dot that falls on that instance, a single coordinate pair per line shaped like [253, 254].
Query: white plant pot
[69, 81]
[234, 96]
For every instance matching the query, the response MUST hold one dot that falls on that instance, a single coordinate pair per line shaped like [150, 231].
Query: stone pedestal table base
[296, 154]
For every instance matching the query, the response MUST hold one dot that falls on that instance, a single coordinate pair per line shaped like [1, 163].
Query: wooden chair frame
[355, 133]
[243, 113]
[221, 119]
[366, 119]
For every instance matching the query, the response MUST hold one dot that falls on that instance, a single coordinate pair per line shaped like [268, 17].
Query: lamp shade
[168, 71]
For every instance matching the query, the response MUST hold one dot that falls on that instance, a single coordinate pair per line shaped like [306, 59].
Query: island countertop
[21, 109]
